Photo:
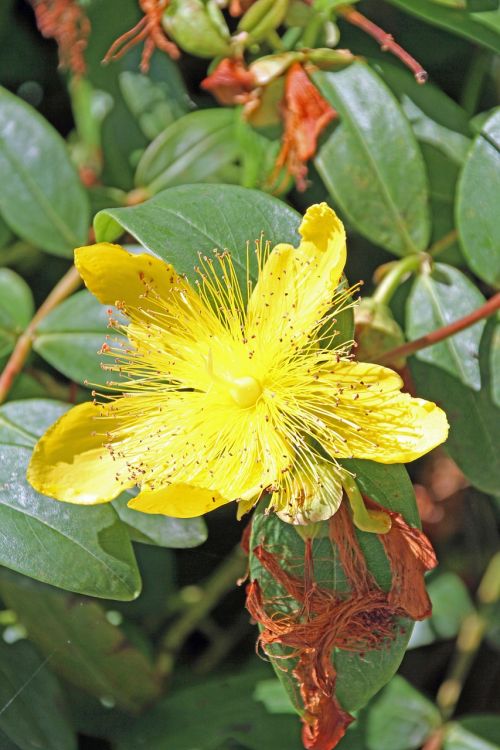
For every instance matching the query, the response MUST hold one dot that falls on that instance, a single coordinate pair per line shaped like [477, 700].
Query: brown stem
[68, 284]
[445, 332]
[385, 40]
[443, 244]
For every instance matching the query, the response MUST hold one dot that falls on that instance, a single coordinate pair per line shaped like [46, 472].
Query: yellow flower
[219, 400]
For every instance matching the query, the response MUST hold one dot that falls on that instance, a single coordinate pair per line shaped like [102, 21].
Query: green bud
[262, 17]
[330, 59]
[270, 67]
[376, 331]
[198, 27]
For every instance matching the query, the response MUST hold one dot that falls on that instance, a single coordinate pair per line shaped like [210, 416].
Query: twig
[66, 286]
[445, 332]
[443, 244]
[385, 40]
[222, 581]
[469, 640]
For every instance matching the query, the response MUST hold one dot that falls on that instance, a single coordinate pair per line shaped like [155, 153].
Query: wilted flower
[221, 400]
[66, 22]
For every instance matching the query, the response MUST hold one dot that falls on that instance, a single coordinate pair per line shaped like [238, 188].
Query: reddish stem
[445, 332]
[385, 40]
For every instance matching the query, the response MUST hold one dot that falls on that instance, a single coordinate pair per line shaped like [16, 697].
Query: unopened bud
[330, 59]
[263, 17]
[270, 67]
[198, 27]
[376, 331]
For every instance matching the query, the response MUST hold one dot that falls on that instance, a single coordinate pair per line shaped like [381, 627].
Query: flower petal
[71, 463]
[178, 501]
[296, 285]
[113, 274]
[370, 418]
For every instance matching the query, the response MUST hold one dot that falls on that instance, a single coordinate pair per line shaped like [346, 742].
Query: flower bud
[198, 27]
[330, 59]
[270, 67]
[263, 17]
[376, 331]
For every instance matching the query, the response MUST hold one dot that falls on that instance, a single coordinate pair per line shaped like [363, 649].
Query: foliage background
[78, 671]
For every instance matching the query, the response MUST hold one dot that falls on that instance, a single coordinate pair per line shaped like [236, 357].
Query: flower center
[244, 391]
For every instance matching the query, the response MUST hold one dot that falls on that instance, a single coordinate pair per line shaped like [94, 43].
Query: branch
[66, 286]
[405, 350]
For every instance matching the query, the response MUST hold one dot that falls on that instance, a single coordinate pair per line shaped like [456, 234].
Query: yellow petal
[370, 418]
[71, 463]
[310, 499]
[296, 286]
[112, 274]
[178, 501]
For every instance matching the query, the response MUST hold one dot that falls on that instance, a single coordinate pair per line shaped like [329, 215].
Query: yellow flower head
[218, 399]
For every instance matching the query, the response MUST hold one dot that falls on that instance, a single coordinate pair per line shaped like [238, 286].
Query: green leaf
[16, 308]
[359, 676]
[164, 531]
[39, 181]
[461, 22]
[32, 708]
[192, 149]
[70, 338]
[272, 694]
[86, 550]
[473, 733]
[451, 603]
[83, 646]
[183, 221]
[224, 711]
[371, 164]
[477, 203]
[454, 373]
[401, 718]
[6, 235]
[155, 104]
[453, 145]
[443, 176]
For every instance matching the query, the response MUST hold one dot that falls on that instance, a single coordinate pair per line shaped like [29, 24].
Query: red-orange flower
[305, 115]
[231, 82]
[150, 31]
[66, 22]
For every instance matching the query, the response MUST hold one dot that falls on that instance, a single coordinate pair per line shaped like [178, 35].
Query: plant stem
[392, 279]
[222, 581]
[66, 286]
[443, 244]
[469, 639]
[385, 40]
[405, 350]
[474, 80]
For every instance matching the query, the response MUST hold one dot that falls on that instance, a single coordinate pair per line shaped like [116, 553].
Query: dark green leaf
[5, 233]
[453, 145]
[83, 646]
[32, 709]
[401, 718]
[474, 733]
[206, 716]
[477, 203]
[39, 181]
[155, 104]
[86, 550]
[371, 163]
[454, 373]
[70, 337]
[359, 676]
[272, 694]
[150, 528]
[451, 603]
[16, 308]
[472, 26]
[192, 149]
[443, 176]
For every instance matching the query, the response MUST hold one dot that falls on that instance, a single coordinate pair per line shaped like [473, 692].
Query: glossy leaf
[443, 176]
[477, 203]
[401, 718]
[472, 26]
[70, 337]
[224, 712]
[164, 531]
[451, 603]
[16, 308]
[359, 676]
[455, 373]
[86, 550]
[473, 733]
[453, 145]
[371, 163]
[155, 104]
[192, 149]
[32, 708]
[39, 181]
[83, 646]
